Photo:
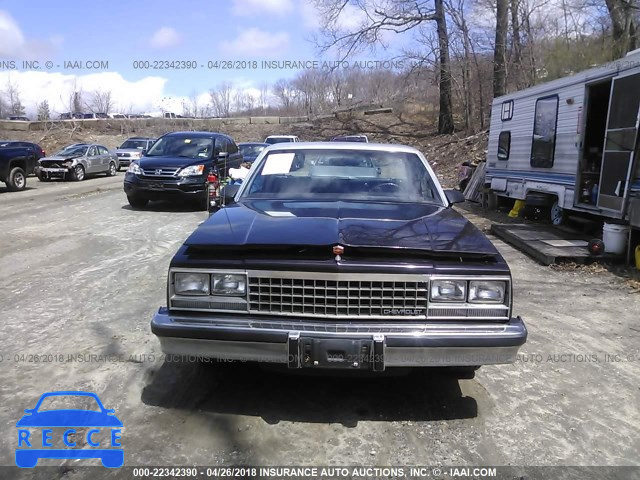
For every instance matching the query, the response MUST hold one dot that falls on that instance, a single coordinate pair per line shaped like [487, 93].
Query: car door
[92, 160]
[235, 157]
[105, 157]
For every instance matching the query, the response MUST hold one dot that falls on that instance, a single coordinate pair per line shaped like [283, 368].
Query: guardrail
[18, 125]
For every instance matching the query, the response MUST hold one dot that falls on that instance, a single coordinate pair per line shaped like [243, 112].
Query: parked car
[176, 168]
[250, 151]
[271, 139]
[17, 161]
[362, 268]
[19, 118]
[132, 149]
[351, 138]
[90, 116]
[76, 161]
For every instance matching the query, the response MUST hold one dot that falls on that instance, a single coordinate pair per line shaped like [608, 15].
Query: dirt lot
[81, 274]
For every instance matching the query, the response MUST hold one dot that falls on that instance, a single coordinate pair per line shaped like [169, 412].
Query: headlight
[448, 290]
[191, 171]
[191, 283]
[486, 291]
[134, 168]
[68, 163]
[228, 284]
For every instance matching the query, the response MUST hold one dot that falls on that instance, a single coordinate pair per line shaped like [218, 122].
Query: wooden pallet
[474, 190]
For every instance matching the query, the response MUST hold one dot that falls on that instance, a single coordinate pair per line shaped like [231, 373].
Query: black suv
[177, 165]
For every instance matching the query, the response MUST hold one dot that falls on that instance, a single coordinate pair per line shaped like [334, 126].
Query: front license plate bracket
[336, 353]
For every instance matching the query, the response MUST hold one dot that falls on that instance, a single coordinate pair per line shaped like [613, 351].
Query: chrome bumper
[262, 340]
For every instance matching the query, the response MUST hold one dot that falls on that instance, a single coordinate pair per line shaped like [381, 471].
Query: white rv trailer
[572, 142]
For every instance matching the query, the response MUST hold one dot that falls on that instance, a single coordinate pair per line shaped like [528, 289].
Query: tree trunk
[499, 56]
[445, 117]
[623, 25]
[516, 43]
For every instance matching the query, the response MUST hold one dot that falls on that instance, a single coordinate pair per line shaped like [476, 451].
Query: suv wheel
[78, 173]
[137, 202]
[17, 179]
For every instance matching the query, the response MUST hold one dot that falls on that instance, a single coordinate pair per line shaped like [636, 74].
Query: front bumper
[164, 188]
[53, 171]
[277, 341]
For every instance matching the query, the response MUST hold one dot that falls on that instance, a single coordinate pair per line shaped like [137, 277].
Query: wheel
[137, 202]
[112, 169]
[78, 173]
[17, 179]
[557, 214]
[42, 177]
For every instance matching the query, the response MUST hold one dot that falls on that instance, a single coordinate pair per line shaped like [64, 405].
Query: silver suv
[132, 149]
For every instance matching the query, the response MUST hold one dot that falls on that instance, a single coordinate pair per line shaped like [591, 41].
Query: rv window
[504, 145]
[544, 132]
[507, 110]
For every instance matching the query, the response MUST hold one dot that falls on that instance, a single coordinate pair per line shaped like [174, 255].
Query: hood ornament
[337, 251]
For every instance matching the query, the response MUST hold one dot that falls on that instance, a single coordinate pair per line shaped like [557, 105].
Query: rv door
[619, 143]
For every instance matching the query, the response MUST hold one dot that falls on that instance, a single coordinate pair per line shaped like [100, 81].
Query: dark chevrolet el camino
[340, 256]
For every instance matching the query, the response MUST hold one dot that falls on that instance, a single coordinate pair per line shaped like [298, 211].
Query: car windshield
[69, 402]
[251, 150]
[182, 146]
[73, 150]
[272, 140]
[139, 144]
[361, 175]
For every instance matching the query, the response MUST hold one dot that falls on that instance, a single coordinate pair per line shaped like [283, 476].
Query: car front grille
[159, 172]
[346, 297]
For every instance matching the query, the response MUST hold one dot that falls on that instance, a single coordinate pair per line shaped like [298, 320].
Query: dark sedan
[341, 256]
[250, 151]
[177, 166]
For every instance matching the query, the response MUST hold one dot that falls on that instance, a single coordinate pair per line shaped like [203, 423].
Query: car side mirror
[455, 196]
[223, 155]
[28, 410]
[143, 152]
[229, 193]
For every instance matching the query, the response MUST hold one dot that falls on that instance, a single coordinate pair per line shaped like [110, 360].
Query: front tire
[42, 177]
[137, 202]
[17, 179]
[112, 169]
[78, 173]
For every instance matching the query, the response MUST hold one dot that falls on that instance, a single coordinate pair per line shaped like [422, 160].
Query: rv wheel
[557, 213]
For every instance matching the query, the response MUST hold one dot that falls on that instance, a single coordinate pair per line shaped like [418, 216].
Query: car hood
[128, 150]
[69, 418]
[422, 227]
[61, 157]
[175, 162]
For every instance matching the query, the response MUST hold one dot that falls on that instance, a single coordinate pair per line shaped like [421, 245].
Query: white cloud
[310, 15]
[258, 7]
[13, 43]
[256, 43]
[165, 37]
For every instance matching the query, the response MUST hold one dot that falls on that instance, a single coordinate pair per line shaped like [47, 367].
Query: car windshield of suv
[360, 175]
[272, 140]
[69, 402]
[182, 146]
[139, 144]
[73, 150]
[251, 150]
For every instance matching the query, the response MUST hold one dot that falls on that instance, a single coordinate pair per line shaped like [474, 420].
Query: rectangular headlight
[191, 283]
[228, 284]
[448, 290]
[487, 291]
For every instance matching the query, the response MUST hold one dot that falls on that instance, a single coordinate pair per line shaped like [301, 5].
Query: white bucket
[615, 238]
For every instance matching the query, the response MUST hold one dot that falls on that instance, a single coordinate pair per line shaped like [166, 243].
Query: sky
[115, 46]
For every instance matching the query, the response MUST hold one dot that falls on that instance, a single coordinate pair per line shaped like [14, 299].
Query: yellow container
[515, 211]
[638, 257]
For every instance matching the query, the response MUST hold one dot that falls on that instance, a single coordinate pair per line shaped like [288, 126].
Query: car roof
[140, 138]
[282, 136]
[196, 134]
[373, 147]
[254, 143]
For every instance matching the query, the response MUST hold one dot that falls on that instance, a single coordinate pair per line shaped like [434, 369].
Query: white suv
[271, 139]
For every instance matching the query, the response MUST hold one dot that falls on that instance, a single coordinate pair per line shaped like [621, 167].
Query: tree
[14, 102]
[44, 112]
[398, 16]
[624, 25]
[500, 49]
[101, 102]
[221, 99]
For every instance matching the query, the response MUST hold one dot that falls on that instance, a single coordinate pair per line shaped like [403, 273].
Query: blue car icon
[28, 456]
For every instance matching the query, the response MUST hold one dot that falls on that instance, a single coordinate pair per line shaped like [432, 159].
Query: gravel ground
[81, 274]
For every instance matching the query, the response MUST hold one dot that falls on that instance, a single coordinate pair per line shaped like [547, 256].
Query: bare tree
[101, 102]
[44, 113]
[14, 103]
[398, 16]
[221, 99]
[624, 25]
[500, 49]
